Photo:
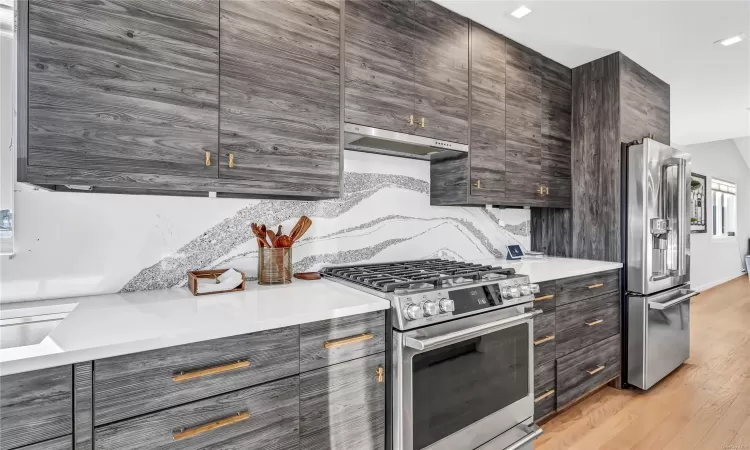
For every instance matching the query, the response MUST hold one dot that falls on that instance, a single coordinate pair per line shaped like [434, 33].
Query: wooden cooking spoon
[300, 228]
[256, 231]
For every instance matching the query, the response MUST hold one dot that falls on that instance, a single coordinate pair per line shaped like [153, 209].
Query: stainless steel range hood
[374, 140]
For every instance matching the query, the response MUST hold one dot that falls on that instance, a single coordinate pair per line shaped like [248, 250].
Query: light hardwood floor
[705, 404]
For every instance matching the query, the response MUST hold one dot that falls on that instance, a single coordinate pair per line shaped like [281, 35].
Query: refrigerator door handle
[678, 300]
[682, 216]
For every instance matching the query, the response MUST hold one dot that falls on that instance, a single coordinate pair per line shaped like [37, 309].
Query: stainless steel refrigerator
[657, 261]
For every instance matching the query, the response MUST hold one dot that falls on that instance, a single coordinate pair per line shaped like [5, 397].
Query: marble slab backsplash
[383, 215]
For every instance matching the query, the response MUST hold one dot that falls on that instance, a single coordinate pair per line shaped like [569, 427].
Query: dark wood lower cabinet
[545, 398]
[261, 417]
[343, 406]
[61, 443]
[580, 372]
[35, 406]
[582, 314]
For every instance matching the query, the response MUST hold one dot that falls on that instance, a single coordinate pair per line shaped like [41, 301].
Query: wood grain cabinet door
[280, 96]
[123, 91]
[342, 406]
[487, 144]
[379, 64]
[441, 75]
[557, 107]
[35, 406]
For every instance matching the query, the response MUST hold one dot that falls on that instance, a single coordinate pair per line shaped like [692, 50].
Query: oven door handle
[469, 333]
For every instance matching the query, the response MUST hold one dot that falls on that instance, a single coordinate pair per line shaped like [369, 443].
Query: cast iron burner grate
[419, 274]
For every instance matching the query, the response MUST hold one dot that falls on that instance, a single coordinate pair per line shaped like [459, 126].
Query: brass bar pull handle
[595, 322]
[190, 432]
[478, 184]
[348, 340]
[544, 297]
[544, 339]
[381, 374]
[543, 396]
[184, 376]
[208, 159]
[594, 286]
[231, 160]
[423, 123]
[597, 370]
[410, 120]
[543, 190]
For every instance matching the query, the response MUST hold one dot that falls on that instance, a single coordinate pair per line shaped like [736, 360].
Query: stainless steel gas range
[461, 353]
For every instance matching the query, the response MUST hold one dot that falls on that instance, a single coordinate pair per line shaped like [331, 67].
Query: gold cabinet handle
[184, 376]
[543, 396]
[543, 190]
[544, 297]
[594, 371]
[190, 432]
[410, 120]
[595, 322]
[544, 339]
[231, 160]
[423, 123]
[594, 286]
[208, 159]
[478, 184]
[348, 340]
[381, 374]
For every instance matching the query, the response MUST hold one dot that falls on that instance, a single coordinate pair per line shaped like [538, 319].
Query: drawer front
[61, 443]
[343, 406]
[35, 406]
[545, 299]
[131, 385]
[265, 416]
[574, 289]
[581, 324]
[545, 398]
[580, 372]
[333, 341]
[544, 337]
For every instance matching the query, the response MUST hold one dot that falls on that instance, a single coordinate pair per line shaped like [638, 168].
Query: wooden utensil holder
[274, 265]
[194, 275]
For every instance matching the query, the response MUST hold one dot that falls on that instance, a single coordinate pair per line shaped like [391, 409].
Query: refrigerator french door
[657, 260]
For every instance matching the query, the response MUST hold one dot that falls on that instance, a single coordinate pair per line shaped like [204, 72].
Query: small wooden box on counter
[196, 274]
[580, 322]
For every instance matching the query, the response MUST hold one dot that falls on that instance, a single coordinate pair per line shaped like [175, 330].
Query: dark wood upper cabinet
[441, 80]
[487, 146]
[615, 101]
[407, 68]
[280, 96]
[122, 91]
[379, 64]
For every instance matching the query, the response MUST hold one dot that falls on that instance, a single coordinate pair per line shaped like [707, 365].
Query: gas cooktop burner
[408, 276]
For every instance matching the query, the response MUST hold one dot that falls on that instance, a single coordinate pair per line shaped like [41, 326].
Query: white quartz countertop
[103, 326]
[552, 268]
[116, 324]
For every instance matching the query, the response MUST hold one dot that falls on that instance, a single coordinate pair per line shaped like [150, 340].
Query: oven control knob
[446, 305]
[534, 288]
[525, 289]
[510, 292]
[430, 308]
[413, 312]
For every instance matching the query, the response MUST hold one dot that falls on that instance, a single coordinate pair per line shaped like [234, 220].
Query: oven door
[459, 384]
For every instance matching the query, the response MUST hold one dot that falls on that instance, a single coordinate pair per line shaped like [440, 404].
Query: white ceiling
[710, 84]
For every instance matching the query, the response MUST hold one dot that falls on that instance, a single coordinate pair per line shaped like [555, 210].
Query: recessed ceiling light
[520, 12]
[732, 40]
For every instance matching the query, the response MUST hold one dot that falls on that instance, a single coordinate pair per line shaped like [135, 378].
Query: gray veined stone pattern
[231, 239]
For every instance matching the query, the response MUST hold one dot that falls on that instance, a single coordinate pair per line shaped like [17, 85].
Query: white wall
[716, 260]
